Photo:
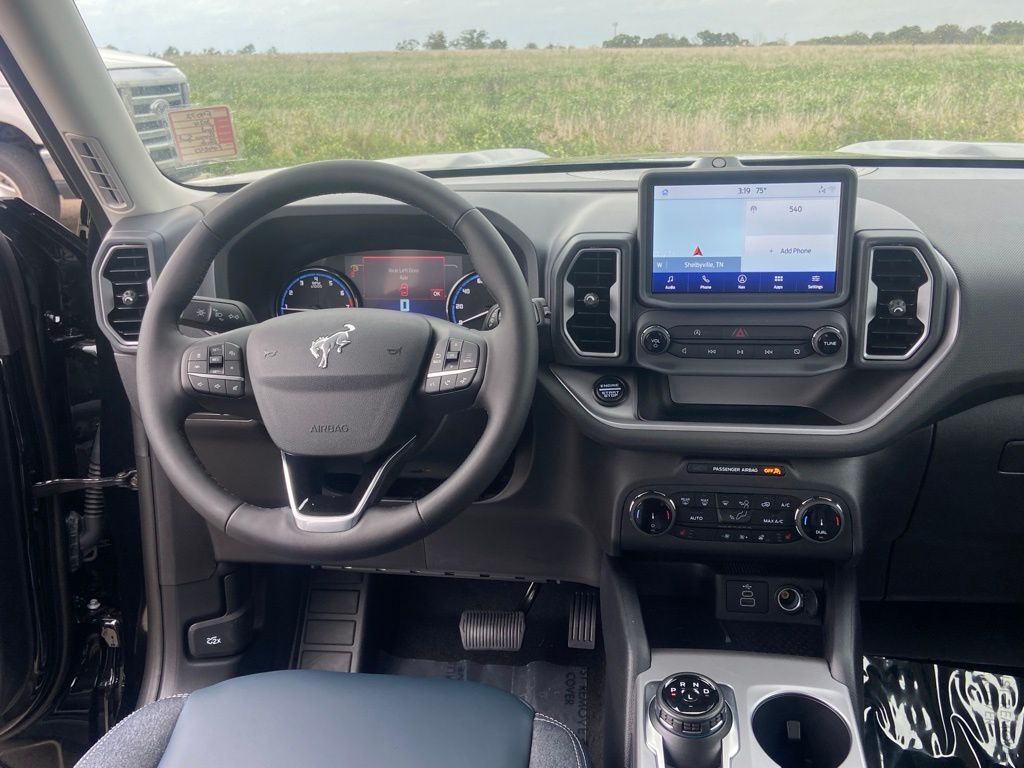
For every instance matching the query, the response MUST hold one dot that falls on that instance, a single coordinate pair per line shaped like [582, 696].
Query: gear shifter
[692, 718]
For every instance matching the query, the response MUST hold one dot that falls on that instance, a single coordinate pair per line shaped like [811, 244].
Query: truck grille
[152, 125]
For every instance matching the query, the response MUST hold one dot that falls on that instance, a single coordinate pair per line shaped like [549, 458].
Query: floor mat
[920, 714]
[42, 754]
[554, 690]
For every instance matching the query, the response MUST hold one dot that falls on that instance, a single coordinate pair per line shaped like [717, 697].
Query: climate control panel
[735, 515]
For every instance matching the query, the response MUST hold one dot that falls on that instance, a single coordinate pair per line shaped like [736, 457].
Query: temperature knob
[819, 519]
[652, 513]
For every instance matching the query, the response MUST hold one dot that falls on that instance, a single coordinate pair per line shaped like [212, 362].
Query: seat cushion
[312, 719]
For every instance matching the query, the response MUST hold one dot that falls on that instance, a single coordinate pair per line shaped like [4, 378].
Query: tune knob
[655, 339]
[819, 519]
[652, 513]
[827, 340]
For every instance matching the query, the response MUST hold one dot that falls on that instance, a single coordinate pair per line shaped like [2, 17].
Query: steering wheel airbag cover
[334, 382]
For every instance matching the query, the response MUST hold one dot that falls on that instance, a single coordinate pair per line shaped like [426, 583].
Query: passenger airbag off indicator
[746, 470]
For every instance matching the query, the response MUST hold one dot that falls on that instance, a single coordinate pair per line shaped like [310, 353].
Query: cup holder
[797, 731]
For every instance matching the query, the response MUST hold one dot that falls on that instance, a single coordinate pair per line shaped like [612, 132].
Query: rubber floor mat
[551, 689]
[920, 714]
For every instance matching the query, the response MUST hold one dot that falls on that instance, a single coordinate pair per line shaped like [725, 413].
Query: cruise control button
[199, 383]
[470, 355]
[232, 351]
[448, 382]
[216, 360]
[432, 385]
[216, 350]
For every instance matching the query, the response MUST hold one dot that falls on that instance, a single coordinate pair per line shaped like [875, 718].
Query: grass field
[290, 108]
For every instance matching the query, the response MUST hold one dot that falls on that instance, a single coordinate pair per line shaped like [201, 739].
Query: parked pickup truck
[148, 88]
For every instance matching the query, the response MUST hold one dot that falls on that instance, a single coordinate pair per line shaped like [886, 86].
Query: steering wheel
[364, 384]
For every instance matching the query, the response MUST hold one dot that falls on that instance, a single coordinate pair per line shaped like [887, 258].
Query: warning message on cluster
[202, 134]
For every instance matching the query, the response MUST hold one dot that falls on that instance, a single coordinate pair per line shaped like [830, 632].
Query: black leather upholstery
[310, 719]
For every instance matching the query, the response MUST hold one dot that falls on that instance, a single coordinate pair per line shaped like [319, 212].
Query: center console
[743, 710]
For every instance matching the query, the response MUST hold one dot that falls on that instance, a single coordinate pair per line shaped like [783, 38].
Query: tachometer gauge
[471, 304]
[316, 289]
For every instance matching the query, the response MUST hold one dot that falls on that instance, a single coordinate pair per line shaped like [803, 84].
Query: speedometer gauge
[316, 289]
[470, 303]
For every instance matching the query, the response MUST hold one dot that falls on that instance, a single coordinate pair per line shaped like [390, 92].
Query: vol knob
[655, 339]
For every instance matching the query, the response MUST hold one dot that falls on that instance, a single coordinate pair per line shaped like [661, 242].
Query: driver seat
[313, 719]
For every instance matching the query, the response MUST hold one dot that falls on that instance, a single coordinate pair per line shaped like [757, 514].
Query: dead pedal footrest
[492, 630]
[583, 621]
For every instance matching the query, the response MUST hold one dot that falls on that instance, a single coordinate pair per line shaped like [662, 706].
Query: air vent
[100, 172]
[898, 302]
[127, 274]
[591, 293]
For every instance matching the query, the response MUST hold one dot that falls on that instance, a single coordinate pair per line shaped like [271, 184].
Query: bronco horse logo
[321, 347]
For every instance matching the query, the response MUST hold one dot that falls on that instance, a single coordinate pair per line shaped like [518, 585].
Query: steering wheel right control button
[610, 390]
[652, 513]
[216, 369]
[819, 519]
[453, 366]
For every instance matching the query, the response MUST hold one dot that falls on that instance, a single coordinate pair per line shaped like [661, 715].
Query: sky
[359, 25]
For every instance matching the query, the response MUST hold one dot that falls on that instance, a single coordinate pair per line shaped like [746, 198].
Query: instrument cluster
[442, 285]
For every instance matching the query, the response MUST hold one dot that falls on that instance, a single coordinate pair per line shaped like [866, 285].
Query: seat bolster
[139, 740]
[555, 745]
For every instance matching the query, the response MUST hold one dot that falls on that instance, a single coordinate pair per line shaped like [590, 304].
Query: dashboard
[686, 393]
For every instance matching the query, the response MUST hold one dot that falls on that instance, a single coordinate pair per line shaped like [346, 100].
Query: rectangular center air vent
[591, 295]
[899, 300]
[127, 274]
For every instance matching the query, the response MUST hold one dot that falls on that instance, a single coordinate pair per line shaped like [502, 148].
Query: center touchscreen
[764, 237]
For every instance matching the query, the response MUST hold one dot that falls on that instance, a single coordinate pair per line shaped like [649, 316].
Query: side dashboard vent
[899, 300]
[591, 301]
[127, 274]
[100, 172]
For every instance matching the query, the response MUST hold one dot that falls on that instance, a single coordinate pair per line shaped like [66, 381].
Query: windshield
[247, 86]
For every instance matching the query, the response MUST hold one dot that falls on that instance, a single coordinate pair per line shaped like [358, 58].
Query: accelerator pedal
[583, 620]
[492, 630]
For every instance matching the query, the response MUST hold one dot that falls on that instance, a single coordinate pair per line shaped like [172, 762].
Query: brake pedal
[583, 621]
[492, 630]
